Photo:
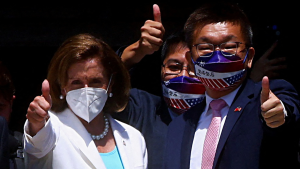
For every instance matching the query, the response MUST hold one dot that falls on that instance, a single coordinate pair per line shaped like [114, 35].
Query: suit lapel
[80, 139]
[122, 141]
[244, 95]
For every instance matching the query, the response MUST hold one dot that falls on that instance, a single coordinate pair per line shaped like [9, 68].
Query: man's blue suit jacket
[245, 141]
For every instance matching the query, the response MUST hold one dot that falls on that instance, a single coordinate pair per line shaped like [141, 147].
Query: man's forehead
[224, 30]
[179, 55]
[184, 60]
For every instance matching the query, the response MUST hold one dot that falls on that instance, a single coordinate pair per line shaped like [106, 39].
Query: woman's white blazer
[64, 143]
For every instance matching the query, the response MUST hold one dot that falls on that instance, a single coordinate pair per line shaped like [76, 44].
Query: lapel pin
[238, 109]
[124, 143]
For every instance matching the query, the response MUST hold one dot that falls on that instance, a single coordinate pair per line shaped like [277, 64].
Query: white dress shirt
[203, 124]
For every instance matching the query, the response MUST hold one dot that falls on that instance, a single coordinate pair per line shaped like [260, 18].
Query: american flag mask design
[218, 72]
[182, 93]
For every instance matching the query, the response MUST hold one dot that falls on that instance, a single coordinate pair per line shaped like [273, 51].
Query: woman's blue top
[112, 160]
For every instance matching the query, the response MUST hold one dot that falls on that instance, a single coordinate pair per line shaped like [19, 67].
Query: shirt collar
[227, 98]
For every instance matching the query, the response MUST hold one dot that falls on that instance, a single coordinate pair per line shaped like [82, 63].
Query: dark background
[31, 33]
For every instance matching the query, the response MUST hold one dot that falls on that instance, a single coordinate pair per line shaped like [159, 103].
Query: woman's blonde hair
[79, 48]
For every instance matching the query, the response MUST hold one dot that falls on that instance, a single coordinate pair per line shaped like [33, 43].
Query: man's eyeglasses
[175, 68]
[228, 49]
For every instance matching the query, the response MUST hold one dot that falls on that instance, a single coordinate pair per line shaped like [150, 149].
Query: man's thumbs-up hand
[156, 13]
[152, 33]
[151, 39]
[271, 107]
[37, 113]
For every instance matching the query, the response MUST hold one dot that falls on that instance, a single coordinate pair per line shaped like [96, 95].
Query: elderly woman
[70, 126]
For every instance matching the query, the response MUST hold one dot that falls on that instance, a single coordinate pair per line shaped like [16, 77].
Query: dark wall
[30, 34]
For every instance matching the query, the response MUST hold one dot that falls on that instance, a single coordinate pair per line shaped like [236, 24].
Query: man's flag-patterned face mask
[219, 72]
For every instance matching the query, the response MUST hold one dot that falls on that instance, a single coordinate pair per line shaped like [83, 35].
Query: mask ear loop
[110, 94]
[245, 57]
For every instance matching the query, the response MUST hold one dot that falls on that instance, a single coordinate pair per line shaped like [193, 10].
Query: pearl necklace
[100, 136]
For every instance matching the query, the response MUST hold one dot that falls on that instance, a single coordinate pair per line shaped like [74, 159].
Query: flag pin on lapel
[238, 109]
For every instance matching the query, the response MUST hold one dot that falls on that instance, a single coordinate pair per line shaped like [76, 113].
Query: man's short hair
[217, 12]
[170, 45]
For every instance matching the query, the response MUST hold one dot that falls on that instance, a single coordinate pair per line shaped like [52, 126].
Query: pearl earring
[110, 95]
[61, 97]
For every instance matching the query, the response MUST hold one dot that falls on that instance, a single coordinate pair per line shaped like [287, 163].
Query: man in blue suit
[256, 125]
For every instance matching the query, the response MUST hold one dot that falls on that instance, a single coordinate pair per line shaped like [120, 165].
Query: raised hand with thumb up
[151, 39]
[37, 113]
[152, 33]
[271, 107]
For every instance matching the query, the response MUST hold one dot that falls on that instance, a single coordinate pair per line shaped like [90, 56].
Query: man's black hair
[170, 44]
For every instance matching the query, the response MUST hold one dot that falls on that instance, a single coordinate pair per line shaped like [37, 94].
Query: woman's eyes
[76, 82]
[91, 83]
[95, 81]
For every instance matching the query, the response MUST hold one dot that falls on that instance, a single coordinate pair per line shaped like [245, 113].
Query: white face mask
[87, 102]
